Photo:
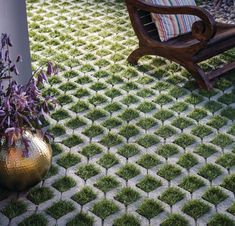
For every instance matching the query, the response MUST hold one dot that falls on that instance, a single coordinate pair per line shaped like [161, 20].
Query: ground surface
[134, 145]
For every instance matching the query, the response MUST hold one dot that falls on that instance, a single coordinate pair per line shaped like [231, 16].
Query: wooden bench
[207, 39]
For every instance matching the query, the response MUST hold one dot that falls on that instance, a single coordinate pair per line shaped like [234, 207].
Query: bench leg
[200, 76]
[135, 56]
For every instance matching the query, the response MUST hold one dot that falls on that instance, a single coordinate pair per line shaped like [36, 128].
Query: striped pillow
[170, 26]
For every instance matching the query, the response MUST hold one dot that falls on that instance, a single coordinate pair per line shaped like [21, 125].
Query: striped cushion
[170, 26]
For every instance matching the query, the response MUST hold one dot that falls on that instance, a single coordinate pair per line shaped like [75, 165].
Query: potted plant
[25, 154]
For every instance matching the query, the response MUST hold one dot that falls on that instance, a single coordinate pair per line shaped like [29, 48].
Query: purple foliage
[21, 107]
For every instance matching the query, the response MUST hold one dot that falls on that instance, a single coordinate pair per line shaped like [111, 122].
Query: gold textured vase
[19, 171]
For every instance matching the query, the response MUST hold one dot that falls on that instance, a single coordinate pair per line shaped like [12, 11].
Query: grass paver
[118, 126]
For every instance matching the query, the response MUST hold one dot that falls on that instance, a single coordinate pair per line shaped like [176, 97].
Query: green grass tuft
[182, 123]
[93, 131]
[226, 160]
[175, 220]
[222, 140]
[111, 140]
[127, 196]
[35, 220]
[214, 195]
[128, 150]
[106, 183]
[14, 209]
[146, 123]
[149, 183]
[104, 208]
[91, 150]
[210, 171]
[148, 161]
[184, 140]
[126, 220]
[129, 131]
[167, 150]
[205, 150]
[191, 183]
[60, 208]
[196, 209]
[76, 123]
[87, 171]
[40, 195]
[201, 131]
[187, 161]
[229, 183]
[72, 141]
[64, 183]
[129, 115]
[128, 171]
[85, 195]
[81, 219]
[148, 140]
[172, 195]
[165, 131]
[68, 160]
[169, 172]
[221, 219]
[149, 208]
[108, 160]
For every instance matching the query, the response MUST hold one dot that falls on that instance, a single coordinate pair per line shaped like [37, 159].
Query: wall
[13, 20]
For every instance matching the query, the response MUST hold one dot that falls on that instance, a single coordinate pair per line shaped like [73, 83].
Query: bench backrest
[148, 24]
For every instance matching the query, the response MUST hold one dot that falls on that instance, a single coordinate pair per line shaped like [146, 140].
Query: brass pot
[19, 172]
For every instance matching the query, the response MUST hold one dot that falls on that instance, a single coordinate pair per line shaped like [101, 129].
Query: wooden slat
[150, 27]
[148, 24]
[218, 72]
[153, 32]
[142, 13]
[146, 19]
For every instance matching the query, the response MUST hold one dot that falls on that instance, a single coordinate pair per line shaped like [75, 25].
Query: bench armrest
[202, 30]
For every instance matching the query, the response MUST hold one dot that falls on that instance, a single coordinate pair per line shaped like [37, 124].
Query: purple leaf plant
[22, 107]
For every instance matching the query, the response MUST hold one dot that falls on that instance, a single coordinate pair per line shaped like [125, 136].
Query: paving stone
[127, 138]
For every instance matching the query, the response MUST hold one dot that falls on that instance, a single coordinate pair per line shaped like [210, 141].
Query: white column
[13, 20]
